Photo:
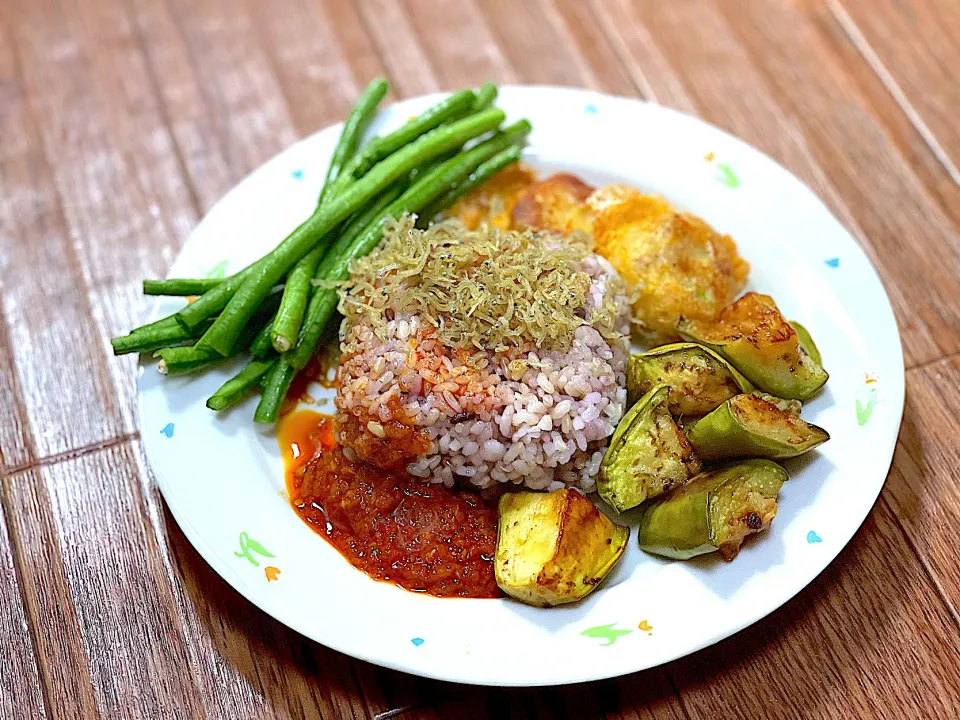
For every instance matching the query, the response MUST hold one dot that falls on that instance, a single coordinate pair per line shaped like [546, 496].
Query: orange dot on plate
[644, 625]
[271, 572]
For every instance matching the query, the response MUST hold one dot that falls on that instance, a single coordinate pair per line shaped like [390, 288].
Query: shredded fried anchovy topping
[486, 288]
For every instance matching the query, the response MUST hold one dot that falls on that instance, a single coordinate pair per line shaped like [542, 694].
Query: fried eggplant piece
[699, 379]
[754, 337]
[716, 510]
[648, 454]
[748, 426]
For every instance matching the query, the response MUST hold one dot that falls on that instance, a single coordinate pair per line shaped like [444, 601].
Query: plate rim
[894, 400]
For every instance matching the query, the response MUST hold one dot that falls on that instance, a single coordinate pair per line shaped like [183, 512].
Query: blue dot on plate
[417, 641]
[812, 537]
[297, 174]
[833, 262]
[168, 430]
[591, 108]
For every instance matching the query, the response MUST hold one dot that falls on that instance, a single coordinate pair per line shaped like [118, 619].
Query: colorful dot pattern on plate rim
[739, 165]
[608, 632]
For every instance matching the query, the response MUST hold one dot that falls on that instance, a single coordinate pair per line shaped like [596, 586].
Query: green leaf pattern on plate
[605, 632]
[248, 546]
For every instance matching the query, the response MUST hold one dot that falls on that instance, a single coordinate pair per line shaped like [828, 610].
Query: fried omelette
[676, 264]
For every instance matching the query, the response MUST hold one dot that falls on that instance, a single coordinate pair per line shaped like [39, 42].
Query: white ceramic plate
[223, 479]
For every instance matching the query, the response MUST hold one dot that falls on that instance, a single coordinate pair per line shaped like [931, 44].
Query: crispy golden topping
[485, 288]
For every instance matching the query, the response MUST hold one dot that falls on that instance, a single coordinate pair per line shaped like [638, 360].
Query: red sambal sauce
[423, 537]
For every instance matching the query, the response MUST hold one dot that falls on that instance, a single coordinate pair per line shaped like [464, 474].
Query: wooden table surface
[123, 121]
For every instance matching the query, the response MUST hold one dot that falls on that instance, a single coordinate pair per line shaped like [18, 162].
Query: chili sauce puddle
[424, 538]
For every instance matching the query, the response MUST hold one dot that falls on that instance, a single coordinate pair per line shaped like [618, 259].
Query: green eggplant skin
[806, 342]
[714, 511]
[752, 335]
[648, 454]
[747, 426]
[699, 378]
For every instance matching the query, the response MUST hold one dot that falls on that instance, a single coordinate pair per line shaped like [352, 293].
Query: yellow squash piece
[554, 548]
[676, 264]
[648, 454]
[698, 378]
[716, 510]
[749, 426]
[754, 337]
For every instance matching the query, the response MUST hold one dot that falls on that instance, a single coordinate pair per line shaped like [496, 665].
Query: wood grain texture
[101, 214]
[14, 447]
[246, 104]
[536, 43]
[407, 64]
[913, 139]
[130, 638]
[48, 606]
[183, 101]
[45, 308]
[578, 24]
[640, 56]
[21, 695]
[304, 52]
[913, 48]
[924, 487]
[458, 42]
[123, 121]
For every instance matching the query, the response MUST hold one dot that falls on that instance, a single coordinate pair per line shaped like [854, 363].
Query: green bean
[359, 222]
[479, 176]
[222, 334]
[286, 326]
[452, 107]
[215, 299]
[163, 323]
[337, 269]
[353, 129]
[180, 286]
[335, 266]
[179, 360]
[275, 385]
[486, 96]
[296, 293]
[261, 345]
[234, 389]
[176, 360]
[277, 381]
[377, 149]
[165, 332]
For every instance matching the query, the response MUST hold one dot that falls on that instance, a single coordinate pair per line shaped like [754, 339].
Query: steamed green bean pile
[279, 308]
